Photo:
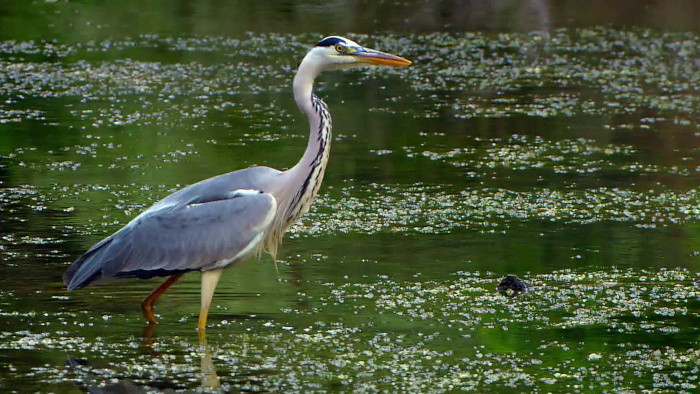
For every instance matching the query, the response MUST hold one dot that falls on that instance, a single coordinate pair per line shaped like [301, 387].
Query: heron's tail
[89, 266]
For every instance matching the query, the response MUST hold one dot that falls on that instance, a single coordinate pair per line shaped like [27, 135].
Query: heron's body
[221, 221]
[210, 212]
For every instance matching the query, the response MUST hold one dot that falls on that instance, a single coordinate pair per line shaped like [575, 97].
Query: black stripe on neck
[321, 110]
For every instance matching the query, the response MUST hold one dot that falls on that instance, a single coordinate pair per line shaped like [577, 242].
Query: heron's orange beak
[370, 56]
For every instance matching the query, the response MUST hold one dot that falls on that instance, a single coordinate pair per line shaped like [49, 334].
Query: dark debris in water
[511, 285]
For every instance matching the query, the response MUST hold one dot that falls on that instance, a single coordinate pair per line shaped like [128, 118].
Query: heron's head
[338, 53]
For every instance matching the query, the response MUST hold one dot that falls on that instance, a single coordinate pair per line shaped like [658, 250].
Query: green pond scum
[537, 139]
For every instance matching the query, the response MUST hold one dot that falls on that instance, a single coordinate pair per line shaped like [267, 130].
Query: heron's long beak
[370, 56]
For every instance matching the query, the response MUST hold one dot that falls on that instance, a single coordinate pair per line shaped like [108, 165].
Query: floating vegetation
[478, 75]
[433, 210]
[566, 73]
[578, 330]
[581, 156]
[507, 151]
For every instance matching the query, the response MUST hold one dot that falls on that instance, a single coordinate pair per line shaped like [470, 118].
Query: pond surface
[522, 140]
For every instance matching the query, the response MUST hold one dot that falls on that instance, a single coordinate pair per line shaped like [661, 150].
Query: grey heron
[224, 220]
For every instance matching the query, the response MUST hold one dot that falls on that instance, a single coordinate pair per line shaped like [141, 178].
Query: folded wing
[179, 238]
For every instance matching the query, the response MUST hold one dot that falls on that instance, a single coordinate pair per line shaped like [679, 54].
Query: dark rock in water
[512, 285]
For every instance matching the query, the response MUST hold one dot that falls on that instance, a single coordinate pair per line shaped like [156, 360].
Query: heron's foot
[202, 337]
[147, 304]
[202, 326]
[147, 309]
[148, 331]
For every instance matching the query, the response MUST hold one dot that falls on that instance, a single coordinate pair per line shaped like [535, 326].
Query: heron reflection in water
[222, 221]
[90, 381]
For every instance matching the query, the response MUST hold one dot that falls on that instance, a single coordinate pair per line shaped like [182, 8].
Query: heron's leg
[209, 281]
[147, 304]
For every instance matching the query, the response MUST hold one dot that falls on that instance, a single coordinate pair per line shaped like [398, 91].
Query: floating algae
[587, 329]
[568, 158]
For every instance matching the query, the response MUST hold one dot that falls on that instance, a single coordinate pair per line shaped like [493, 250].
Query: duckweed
[567, 157]
[411, 335]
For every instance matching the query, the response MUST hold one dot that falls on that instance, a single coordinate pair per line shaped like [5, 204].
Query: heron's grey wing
[220, 187]
[179, 239]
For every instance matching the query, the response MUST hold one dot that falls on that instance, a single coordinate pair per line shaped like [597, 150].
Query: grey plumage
[200, 227]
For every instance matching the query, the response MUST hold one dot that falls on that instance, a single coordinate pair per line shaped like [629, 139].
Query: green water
[536, 139]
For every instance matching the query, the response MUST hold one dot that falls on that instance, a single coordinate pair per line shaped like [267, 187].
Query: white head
[336, 52]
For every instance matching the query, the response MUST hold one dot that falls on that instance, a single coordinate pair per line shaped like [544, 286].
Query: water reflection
[92, 381]
[210, 380]
[75, 21]
[529, 15]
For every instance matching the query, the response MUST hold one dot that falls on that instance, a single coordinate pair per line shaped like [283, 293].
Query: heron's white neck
[301, 182]
[303, 95]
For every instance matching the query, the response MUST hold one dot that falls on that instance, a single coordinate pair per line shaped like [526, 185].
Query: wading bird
[221, 221]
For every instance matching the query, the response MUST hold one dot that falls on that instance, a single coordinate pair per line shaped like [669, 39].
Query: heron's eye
[339, 48]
